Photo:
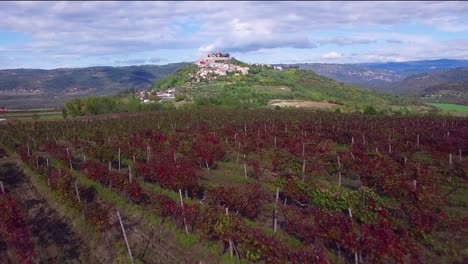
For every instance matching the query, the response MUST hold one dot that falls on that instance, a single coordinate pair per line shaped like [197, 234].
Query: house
[3, 109]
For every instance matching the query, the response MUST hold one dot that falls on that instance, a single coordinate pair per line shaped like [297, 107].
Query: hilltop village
[217, 64]
[210, 68]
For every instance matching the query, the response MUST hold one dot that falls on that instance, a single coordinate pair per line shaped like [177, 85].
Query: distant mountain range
[413, 67]
[450, 86]
[379, 75]
[352, 73]
[417, 84]
[413, 78]
[34, 88]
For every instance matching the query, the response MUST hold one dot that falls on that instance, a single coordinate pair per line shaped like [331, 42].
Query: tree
[74, 107]
[64, 112]
[370, 110]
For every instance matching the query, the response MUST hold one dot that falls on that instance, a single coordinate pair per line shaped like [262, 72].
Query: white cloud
[332, 55]
[105, 28]
[246, 36]
[345, 41]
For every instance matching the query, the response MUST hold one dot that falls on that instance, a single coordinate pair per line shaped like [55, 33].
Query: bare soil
[54, 239]
[301, 103]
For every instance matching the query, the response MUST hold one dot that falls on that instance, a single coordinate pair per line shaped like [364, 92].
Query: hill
[353, 74]
[418, 84]
[224, 83]
[413, 67]
[33, 88]
[435, 81]
[437, 87]
[379, 76]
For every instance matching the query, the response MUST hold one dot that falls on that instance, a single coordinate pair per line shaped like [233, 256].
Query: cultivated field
[301, 103]
[225, 186]
[452, 107]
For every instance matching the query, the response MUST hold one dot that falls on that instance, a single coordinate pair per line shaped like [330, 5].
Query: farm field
[234, 186]
[31, 114]
[452, 107]
[41, 115]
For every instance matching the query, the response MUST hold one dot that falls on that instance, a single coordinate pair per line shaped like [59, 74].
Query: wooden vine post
[356, 259]
[275, 213]
[110, 176]
[183, 214]
[245, 167]
[119, 160]
[125, 237]
[77, 193]
[148, 151]
[79, 199]
[303, 161]
[69, 159]
[231, 251]
[129, 174]
[1, 187]
[339, 171]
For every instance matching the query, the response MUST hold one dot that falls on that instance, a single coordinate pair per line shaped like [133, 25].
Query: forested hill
[32, 88]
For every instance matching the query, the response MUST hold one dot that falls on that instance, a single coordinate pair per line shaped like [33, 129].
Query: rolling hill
[265, 84]
[408, 68]
[380, 76]
[33, 88]
[418, 83]
[435, 81]
[354, 74]
[449, 86]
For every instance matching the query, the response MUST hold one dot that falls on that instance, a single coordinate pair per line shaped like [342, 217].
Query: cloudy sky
[81, 34]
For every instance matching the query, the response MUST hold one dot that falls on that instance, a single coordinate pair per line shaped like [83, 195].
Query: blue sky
[81, 34]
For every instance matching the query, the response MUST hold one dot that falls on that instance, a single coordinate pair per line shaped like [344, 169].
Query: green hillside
[264, 84]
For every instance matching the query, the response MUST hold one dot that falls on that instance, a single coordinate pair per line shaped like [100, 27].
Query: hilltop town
[217, 64]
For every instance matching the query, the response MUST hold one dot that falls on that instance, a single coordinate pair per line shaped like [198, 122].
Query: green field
[35, 115]
[452, 107]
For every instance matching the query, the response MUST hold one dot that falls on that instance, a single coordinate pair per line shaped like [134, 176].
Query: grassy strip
[121, 204]
[73, 215]
[47, 115]
[289, 240]
[78, 222]
[451, 107]
[160, 190]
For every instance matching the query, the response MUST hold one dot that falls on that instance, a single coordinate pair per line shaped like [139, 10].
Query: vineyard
[236, 186]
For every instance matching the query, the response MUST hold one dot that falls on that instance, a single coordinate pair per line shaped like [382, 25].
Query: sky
[82, 34]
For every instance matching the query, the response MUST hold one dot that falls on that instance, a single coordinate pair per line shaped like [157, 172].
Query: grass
[452, 107]
[124, 206]
[227, 174]
[40, 115]
[54, 200]
[31, 110]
